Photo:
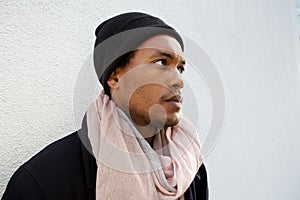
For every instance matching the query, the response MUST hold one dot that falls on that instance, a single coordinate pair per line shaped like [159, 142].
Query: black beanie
[122, 34]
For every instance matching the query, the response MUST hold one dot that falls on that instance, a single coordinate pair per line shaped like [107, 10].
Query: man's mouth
[176, 98]
[174, 101]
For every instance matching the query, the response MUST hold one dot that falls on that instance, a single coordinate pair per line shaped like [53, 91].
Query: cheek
[148, 95]
[141, 75]
[142, 87]
[145, 103]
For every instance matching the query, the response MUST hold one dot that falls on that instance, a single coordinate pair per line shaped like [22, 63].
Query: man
[134, 143]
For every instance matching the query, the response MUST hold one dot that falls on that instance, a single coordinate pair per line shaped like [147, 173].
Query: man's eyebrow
[166, 54]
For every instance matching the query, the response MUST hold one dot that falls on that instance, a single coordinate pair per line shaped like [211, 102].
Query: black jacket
[66, 170]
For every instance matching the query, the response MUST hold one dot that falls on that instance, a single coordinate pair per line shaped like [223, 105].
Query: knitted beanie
[122, 34]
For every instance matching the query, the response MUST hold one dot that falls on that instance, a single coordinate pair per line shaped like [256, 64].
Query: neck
[148, 132]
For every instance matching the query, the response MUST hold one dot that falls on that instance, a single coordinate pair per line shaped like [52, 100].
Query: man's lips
[176, 98]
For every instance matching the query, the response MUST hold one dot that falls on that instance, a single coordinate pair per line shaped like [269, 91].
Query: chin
[172, 120]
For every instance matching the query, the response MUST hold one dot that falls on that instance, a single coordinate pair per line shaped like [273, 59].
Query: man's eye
[180, 69]
[161, 62]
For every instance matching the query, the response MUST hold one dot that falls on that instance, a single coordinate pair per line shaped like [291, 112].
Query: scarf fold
[128, 167]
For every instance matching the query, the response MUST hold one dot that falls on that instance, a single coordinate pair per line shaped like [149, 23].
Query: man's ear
[113, 79]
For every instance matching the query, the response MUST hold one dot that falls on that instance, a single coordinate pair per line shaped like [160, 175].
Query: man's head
[144, 61]
[150, 83]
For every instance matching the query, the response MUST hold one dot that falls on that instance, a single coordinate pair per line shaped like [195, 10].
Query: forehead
[163, 42]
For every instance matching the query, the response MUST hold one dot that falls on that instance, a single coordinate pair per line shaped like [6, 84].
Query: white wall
[298, 14]
[254, 45]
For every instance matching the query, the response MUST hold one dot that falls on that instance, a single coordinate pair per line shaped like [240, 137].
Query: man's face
[148, 88]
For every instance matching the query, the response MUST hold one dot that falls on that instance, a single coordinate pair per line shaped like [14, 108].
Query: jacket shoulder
[60, 169]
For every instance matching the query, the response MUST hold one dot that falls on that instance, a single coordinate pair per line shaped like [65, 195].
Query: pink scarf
[128, 167]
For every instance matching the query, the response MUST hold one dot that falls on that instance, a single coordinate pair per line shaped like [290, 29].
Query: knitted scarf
[128, 167]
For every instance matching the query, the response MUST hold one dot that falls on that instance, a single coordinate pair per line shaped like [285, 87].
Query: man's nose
[176, 79]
